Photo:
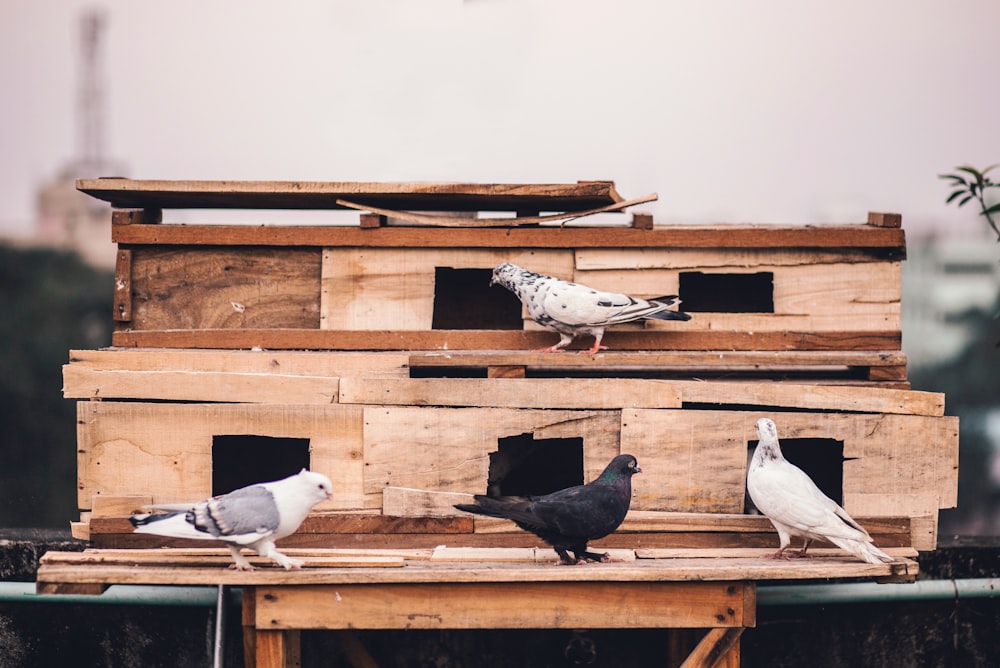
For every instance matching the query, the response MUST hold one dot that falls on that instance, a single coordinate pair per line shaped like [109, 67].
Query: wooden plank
[225, 288]
[82, 383]
[162, 449]
[891, 241]
[717, 260]
[529, 605]
[136, 217]
[512, 392]
[613, 393]
[447, 449]
[311, 339]
[122, 307]
[658, 359]
[390, 289]
[696, 460]
[72, 569]
[329, 364]
[150, 193]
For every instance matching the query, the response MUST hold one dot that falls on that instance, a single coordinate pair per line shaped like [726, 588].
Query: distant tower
[66, 217]
[90, 103]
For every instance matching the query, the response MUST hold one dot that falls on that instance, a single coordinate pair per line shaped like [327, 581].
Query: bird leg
[241, 563]
[596, 347]
[564, 340]
[268, 550]
[564, 558]
[802, 553]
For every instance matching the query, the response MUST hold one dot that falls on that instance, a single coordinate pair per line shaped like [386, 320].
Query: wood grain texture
[512, 392]
[164, 449]
[447, 449]
[513, 340]
[491, 606]
[225, 288]
[889, 242]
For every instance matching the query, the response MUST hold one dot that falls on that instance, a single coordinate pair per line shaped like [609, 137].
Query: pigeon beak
[637, 469]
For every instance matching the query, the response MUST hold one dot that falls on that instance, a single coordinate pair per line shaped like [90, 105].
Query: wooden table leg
[720, 647]
[278, 649]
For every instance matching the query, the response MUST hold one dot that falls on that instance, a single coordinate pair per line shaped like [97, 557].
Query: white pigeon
[572, 309]
[796, 506]
[255, 517]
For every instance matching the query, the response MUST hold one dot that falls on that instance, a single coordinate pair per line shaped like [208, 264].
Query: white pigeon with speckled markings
[572, 309]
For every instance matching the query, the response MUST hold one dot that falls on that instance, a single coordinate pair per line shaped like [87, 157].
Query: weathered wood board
[165, 449]
[447, 449]
[229, 288]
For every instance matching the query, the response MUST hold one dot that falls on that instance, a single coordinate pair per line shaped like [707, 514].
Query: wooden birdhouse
[377, 353]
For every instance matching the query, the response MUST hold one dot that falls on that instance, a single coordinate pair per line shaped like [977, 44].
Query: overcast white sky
[785, 111]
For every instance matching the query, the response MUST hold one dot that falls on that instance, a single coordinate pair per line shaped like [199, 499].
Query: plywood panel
[198, 288]
[447, 449]
[166, 449]
[393, 289]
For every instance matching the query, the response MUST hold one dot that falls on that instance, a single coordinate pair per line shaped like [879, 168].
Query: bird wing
[243, 516]
[588, 511]
[578, 305]
[785, 494]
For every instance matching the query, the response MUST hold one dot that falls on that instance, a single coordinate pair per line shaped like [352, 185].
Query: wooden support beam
[719, 647]
[123, 286]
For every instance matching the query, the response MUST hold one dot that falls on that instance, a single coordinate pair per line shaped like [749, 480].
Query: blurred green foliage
[969, 183]
[50, 302]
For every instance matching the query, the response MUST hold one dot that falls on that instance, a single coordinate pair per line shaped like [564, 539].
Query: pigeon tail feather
[862, 550]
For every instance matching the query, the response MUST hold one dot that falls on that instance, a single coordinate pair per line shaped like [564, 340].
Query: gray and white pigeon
[573, 310]
[255, 517]
[796, 506]
[570, 518]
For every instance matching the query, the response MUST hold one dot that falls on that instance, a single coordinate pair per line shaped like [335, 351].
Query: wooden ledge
[93, 570]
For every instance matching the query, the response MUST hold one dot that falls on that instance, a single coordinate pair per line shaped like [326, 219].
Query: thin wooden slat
[330, 364]
[453, 221]
[149, 193]
[123, 286]
[136, 216]
[515, 340]
[512, 392]
[82, 383]
[76, 569]
[891, 240]
[632, 393]
[529, 605]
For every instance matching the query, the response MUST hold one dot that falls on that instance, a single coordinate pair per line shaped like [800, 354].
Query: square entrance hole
[238, 461]
[522, 466]
[821, 458]
[464, 299]
[727, 293]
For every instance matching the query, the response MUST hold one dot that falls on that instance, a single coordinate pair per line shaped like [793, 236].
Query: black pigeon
[571, 517]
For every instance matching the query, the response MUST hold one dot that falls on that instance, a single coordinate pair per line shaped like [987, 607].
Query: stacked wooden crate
[379, 355]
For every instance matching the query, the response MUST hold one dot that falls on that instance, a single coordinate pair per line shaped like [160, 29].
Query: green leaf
[989, 211]
[954, 195]
[971, 170]
[962, 203]
[954, 177]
